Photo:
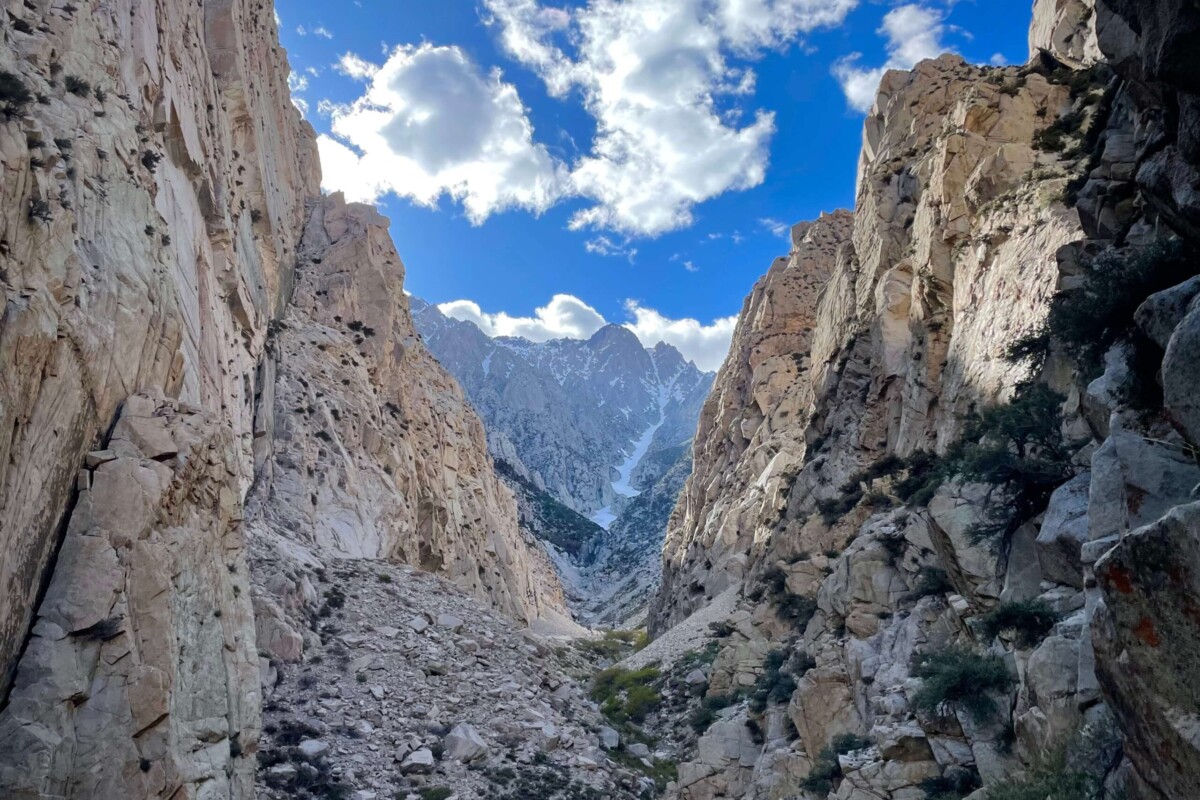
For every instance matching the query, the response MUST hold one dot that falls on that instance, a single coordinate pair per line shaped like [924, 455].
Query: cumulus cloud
[568, 317]
[355, 66]
[431, 123]
[914, 32]
[564, 317]
[656, 76]
[707, 345]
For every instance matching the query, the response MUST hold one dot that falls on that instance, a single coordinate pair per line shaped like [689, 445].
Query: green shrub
[1029, 620]
[958, 679]
[923, 474]
[706, 713]
[1088, 321]
[796, 608]
[777, 682]
[957, 782]
[826, 768]
[1018, 449]
[77, 86]
[626, 695]
[932, 581]
[14, 96]
[1043, 785]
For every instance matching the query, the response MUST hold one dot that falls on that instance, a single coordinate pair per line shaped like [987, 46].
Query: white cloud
[655, 76]
[672, 123]
[604, 246]
[690, 267]
[355, 66]
[297, 83]
[564, 317]
[776, 227]
[913, 32]
[707, 345]
[322, 31]
[568, 317]
[999, 60]
[432, 124]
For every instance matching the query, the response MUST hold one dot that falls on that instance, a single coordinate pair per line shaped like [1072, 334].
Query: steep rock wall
[849, 603]
[882, 331]
[377, 453]
[158, 194]
[148, 233]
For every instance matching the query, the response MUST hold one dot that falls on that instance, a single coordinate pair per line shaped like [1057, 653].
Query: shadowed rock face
[1147, 639]
[882, 339]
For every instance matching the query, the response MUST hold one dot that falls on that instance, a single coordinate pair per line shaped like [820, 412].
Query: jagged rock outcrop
[883, 330]
[170, 344]
[985, 199]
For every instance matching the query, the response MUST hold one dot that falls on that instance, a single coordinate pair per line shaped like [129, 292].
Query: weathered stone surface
[1064, 530]
[197, 143]
[1147, 640]
[1066, 29]
[377, 454]
[140, 677]
[465, 744]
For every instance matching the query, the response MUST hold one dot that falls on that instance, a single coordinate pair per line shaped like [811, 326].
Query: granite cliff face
[948, 471]
[201, 358]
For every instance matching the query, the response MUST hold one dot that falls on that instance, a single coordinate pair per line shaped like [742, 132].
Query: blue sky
[549, 166]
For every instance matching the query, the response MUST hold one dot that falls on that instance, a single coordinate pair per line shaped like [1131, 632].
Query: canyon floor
[418, 691]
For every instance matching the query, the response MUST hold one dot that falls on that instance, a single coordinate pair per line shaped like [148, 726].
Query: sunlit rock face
[173, 281]
[884, 328]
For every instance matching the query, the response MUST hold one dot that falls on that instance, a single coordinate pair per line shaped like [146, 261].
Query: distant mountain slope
[577, 414]
[596, 425]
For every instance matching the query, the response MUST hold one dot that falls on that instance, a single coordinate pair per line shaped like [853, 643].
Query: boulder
[464, 743]
[1063, 532]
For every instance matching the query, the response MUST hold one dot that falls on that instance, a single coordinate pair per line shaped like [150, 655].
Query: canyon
[935, 533]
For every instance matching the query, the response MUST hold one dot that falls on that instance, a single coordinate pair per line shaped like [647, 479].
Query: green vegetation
[932, 581]
[1086, 322]
[552, 521]
[1028, 620]
[781, 669]
[956, 783]
[798, 609]
[958, 679]
[661, 772]
[14, 96]
[625, 695]
[826, 769]
[1045, 784]
[614, 644]
[706, 714]
[77, 86]
[1017, 449]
